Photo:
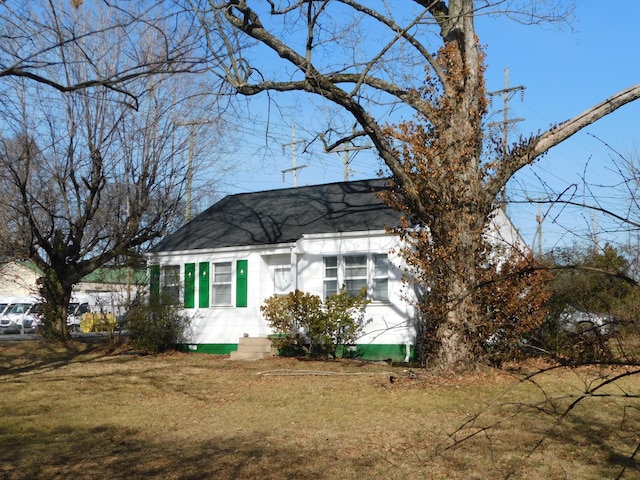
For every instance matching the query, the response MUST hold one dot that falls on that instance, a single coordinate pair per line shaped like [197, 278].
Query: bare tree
[374, 60]
[39, 38]
[87, 178]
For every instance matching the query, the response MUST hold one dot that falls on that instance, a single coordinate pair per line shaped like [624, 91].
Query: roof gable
[283, 216]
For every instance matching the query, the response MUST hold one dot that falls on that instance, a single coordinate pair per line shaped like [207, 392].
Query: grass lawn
[82, 412]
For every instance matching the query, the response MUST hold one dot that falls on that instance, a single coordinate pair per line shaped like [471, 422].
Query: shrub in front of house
[304, 325]
[156, 326]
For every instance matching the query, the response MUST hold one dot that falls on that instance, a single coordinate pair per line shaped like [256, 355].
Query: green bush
[156, 326]
[304, 325]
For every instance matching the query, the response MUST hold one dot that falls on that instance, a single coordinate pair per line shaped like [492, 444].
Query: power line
[506, 93]
[294, 148]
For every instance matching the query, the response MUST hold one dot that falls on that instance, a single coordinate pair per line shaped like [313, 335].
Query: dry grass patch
[81, 412]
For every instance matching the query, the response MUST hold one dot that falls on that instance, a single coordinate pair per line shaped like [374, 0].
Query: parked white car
[21, 316]
[576, 321]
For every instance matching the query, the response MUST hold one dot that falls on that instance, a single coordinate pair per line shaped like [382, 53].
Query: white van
[21, 316]
[78, 306]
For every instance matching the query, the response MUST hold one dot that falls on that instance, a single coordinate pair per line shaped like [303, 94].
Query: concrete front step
[238, 355]
[253, 348]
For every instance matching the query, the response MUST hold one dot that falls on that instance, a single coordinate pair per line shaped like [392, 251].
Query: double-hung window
[170, 282]
[355, 272]
[221, 284]
[330, 276]
[380, 289]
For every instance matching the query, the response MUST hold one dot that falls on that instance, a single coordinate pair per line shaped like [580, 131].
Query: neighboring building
[126, 282]
[19, 279]
[225, 262]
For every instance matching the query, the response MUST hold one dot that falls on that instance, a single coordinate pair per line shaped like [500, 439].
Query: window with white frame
[170, 282]
[221, 284]
[330, 276]
[282, 279]
[356, 272]
[380, 289]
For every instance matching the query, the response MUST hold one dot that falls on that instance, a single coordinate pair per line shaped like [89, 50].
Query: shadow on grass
[617, 442]
[34, 356]
[114, 453]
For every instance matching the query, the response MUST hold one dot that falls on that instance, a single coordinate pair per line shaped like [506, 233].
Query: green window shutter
[241, 283]
[203, 285]
[189, 285]
[154, 281]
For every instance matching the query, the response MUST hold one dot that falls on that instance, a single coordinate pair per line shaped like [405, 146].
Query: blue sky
[564, 71]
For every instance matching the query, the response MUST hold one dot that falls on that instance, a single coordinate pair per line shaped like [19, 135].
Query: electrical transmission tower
[506, 123]
[345, 149]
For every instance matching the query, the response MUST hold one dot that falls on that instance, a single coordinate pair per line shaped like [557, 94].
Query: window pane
[171, 282]
[355, 266]
[381, 263]
[381, 278]
[330, 261]
[221, 285]
[282, 278]
[222, 272]
[380, 289]
[355, 273]
[354, 286]
[221, 294]
[171, 275]
[330, 288]
[330, 267]
[350, 260]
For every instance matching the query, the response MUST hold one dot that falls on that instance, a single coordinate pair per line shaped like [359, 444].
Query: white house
[224, 263]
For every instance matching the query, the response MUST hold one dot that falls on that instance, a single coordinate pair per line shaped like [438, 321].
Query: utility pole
[540, 217]
[346, 160]
[346, 149]
[192, 144]
[539, 220]
[294, 148]
[506, 93]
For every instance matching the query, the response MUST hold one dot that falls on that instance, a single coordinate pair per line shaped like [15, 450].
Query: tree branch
[528, 151]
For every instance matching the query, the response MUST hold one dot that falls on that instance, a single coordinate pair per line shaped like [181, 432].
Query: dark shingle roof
[283, 216]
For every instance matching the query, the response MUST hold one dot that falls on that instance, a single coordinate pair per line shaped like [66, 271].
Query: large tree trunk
[451, 272]
[444, 153]
[456, 332]
[56, 295]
